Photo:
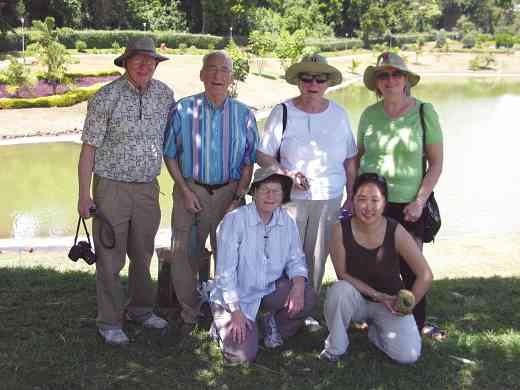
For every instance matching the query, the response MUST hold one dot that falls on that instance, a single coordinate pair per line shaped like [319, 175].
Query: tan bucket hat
[143, 45]
[313, 64]
[388, 60]
[262, 174]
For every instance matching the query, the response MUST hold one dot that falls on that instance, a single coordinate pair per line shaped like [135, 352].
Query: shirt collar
[209, 104]
[253, 219]
[133, 88]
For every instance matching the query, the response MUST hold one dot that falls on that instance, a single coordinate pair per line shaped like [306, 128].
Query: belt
[210, 187]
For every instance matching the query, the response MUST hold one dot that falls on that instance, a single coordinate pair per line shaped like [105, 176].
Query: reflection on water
[478, 191]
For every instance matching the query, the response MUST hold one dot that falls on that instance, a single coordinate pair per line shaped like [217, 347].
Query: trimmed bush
[504, 40]
[80, 46]
[470, 40]
[70, 98]
[334, 44]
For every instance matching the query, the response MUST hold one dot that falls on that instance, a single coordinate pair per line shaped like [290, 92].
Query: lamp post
[23, 40]
[346, 39]
[230, 33]
[144, 26]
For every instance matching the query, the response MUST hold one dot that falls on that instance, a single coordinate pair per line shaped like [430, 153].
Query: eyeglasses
[213, 69]
[388, 75]
[320, 78]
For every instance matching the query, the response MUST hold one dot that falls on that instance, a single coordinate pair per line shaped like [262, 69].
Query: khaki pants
[133, 210]
[314, 219]
[397, 336]
[274, 303]
[185, 268]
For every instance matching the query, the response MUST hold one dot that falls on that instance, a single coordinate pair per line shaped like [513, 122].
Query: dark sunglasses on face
[308, 78]
[387, 75]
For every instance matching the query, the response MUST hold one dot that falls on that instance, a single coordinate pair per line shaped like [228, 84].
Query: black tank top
[379, 267]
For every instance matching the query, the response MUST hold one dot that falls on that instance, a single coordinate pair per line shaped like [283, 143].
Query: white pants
[315, 219]
[397, 336]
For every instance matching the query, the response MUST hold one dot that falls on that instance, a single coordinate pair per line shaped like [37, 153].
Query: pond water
[477, 193]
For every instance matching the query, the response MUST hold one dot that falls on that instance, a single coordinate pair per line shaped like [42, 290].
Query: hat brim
[291, 75]
[119, 61]
[369, 77]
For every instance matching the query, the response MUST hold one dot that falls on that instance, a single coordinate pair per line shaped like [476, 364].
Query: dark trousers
[416, 229]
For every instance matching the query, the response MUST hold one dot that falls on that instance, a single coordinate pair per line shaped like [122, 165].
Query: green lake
[477, 193]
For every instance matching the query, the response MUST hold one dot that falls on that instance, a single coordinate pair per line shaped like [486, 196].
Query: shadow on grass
[48, 341]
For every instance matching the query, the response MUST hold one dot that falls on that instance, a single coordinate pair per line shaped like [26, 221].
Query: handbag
[431, 214]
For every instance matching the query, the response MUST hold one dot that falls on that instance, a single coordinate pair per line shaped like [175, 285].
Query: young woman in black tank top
[365, 252]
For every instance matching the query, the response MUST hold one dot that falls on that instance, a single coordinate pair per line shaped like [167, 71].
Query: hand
[84, 206]
[239, 326]
[413, 211]
[191, 201]
[300, 182]
[295, 299]
[347, 205]
[388, 301]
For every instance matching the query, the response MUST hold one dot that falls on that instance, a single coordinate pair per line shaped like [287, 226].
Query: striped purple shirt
[211, 144]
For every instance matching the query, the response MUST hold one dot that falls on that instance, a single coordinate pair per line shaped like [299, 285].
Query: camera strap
[80, 220]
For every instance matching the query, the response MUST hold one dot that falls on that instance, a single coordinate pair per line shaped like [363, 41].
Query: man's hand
[84, 206]
[239, 326]
[191, 201]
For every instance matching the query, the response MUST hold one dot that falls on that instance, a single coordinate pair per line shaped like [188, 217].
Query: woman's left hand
[413, 211]
[295, 299]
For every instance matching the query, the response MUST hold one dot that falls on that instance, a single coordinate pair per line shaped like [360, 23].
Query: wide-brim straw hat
[388, 60]
[313, 64]
[262, 174]
[142, 45]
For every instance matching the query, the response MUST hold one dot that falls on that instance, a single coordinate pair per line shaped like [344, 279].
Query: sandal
[435, 332]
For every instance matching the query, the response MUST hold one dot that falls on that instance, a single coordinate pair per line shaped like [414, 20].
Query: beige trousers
[314, 219]
[185, 268]
[133, 210]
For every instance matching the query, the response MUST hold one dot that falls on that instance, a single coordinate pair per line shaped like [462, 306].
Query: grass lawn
[48, 341]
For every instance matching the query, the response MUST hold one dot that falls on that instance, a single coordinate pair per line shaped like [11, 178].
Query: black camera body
[82, 250]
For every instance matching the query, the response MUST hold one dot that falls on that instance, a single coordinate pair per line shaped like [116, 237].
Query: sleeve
[96, 121]
[228, 243]
[351, 143]
[296, 264]
[362, 127]
[272, 134]
[251, 139]
[433, 126]
[172, 131]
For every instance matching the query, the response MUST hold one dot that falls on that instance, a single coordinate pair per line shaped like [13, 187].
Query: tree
[156, 15]
[289, 47]
[240, 66]
[17, 75]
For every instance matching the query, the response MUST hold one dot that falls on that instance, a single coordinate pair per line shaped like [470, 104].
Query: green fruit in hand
[406, 301]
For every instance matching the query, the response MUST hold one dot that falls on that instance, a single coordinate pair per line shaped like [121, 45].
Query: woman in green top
[390, 143]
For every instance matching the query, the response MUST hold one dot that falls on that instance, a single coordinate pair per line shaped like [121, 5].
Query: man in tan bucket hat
[122, 145]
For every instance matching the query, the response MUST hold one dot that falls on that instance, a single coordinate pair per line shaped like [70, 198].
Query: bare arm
[265, 160]
[191, 201]
[410, 252]
[85, 168]
[434, 156]
[350, 171]
[246, 173]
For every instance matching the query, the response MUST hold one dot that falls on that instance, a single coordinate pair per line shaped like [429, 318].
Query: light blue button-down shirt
[252, 256]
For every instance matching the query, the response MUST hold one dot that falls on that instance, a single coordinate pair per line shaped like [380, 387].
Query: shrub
[469, 41]
[80, 46]
[289, 47]
[482, 61]
[17, 75]
[440, 40]
[261, 43]
[240, 66]
[504, 40]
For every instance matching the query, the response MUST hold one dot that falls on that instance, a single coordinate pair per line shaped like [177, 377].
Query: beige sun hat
[388, 60]
[262, 174]
[141, 45]
[313, 64]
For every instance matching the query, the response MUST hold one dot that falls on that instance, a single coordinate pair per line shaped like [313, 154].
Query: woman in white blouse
[260, 267]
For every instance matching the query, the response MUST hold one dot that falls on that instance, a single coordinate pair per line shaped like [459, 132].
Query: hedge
[67, 99]
[103, 39]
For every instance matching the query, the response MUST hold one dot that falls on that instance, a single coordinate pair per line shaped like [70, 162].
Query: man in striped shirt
[209, 150]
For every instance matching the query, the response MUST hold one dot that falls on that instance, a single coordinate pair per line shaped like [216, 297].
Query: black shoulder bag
[431, 214]
[284, 122]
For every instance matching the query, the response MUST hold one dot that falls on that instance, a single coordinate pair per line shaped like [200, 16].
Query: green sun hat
[262, 174]
[141, 45]
[388, 60]
[313, 64]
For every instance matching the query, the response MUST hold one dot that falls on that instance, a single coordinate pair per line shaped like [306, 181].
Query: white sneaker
[326, 355]
[155, 322]
[114, 336]
[272, 338]
[312, 325]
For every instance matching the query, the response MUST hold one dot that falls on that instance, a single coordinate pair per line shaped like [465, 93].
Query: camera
[82, 250]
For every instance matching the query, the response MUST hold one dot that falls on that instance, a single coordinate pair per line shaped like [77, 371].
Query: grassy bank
[48, 341]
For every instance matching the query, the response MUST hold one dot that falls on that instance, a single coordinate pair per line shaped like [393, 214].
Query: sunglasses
[387, 75]
[308, 78]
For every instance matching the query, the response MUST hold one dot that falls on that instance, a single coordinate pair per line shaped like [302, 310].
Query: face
[268, 196]
[391, 82]
[313, 84]
[369, 203]
[140, 69]
[217, 76]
